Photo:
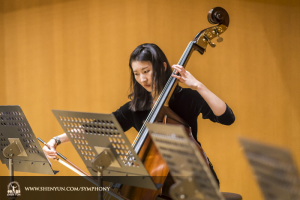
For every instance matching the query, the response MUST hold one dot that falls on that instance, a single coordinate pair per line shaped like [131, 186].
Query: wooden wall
[73, 55]
[2, 80]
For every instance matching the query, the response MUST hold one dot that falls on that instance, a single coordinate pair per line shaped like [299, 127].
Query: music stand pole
[11, 169]
[10, 152]
[99, 164]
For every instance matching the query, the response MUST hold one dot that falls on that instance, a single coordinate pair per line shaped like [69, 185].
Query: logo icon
[13, 189]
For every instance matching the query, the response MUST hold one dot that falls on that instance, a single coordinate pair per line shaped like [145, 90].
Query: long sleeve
[189, 104]
[124, 117]
[227, 118]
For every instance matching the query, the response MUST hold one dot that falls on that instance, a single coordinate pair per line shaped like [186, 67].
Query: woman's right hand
[51, 153]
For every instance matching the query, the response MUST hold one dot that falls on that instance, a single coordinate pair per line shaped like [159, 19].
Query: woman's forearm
[216, 104]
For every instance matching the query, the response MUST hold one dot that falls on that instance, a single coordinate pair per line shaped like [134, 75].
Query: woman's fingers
[50, 153]
[176, 76]
[180, 72]
[179, 69]
[185, 77]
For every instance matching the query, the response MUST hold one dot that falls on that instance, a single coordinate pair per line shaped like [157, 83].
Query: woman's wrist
[52, 142]
[57, 140]
[200, 87]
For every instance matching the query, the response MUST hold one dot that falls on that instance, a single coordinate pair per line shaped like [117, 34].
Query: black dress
[186, 103]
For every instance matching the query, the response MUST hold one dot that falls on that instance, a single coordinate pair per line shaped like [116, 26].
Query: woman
[150, 71]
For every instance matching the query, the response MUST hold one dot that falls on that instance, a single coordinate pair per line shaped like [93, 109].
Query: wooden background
[73, 55]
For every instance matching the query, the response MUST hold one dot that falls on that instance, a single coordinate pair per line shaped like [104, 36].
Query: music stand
[193, 179]
[274, 170]
[15, 129]
[92, 134]
[19, 148]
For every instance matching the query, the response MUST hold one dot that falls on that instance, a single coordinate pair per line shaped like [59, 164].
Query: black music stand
[92, 134]
[20, 149]
[193, 179]
[274, 169]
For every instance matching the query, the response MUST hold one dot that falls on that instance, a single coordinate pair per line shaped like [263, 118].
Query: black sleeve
[198, 105]
[124, 117]
[227, 118]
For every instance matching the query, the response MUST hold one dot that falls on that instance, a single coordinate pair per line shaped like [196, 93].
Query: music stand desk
[92, 134]
[193, 179]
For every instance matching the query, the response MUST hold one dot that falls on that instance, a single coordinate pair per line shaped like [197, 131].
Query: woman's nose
[143, 78]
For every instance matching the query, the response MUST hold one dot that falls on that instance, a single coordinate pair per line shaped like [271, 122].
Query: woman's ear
[165, 65]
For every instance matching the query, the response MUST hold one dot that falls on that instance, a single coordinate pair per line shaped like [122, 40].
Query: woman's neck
[154, 99]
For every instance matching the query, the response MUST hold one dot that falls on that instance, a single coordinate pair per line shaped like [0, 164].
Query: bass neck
[165, 95]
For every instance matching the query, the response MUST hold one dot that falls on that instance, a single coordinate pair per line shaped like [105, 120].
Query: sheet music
[274, 169]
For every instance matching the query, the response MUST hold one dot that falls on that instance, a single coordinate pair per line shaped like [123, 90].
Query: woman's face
[143, 73]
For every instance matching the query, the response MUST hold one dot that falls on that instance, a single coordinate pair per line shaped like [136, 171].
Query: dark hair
[141, 99]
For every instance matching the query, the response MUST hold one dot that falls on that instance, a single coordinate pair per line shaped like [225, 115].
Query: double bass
[160, 112]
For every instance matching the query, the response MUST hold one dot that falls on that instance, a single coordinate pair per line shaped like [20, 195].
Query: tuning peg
[208, 41]
[220, 39]
[213, 45]
[215, 31]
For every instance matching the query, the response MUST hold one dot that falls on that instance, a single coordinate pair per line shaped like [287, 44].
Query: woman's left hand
[186, 77]
[215, 103]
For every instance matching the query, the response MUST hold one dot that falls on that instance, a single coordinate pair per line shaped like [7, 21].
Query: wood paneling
[2, 80]
[73, 55]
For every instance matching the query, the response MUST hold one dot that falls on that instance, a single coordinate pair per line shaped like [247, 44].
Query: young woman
[150, 71]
